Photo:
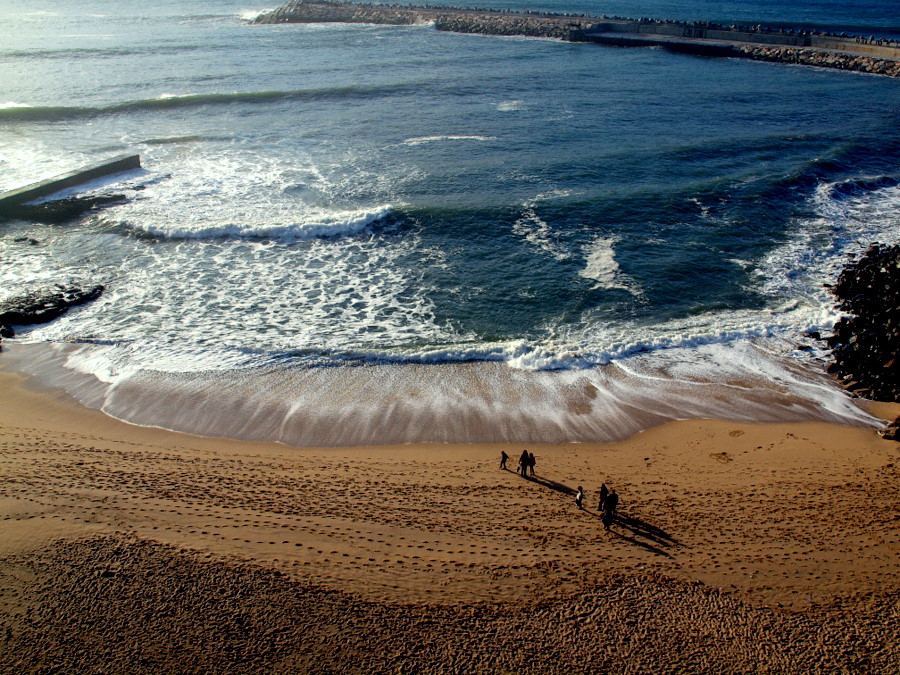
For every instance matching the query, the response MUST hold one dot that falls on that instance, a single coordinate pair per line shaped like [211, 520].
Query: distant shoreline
[857, 53]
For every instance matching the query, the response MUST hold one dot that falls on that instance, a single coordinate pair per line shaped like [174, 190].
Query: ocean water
[377, 234]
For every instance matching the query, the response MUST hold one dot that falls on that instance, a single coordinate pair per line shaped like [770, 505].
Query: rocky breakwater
[759, 43]
[821, 59]
[562, 28]
[484, 22]
[865, 346]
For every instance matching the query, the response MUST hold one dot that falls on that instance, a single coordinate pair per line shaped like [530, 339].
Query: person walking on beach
[523, 464]
[609, 508]
[503, 458]
[531, 462]
[604, 493]
[579, 497]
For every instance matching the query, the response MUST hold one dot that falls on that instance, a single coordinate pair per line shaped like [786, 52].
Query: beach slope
[738, 548]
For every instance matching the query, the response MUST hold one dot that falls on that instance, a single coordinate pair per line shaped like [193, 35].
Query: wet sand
[739, 547]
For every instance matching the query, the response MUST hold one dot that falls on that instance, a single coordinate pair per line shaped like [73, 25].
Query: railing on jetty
[867, 54]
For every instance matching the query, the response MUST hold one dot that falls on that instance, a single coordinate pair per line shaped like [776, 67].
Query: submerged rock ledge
[845, 52]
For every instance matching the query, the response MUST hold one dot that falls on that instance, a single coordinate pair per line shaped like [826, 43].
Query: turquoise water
[324, 198]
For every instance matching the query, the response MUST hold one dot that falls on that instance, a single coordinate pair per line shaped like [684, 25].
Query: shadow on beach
[636, 531]
[553, 485]
[652, 539]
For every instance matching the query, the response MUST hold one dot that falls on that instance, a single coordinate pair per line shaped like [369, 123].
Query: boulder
[45, 305]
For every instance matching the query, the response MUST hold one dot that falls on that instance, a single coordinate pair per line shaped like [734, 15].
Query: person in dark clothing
[531, 462]
[503, 458]
[579, 498]
[604, 493]
[609, 508]
[523, 464]
[612, 501]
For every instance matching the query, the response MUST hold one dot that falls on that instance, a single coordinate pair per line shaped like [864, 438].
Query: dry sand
[739, 548]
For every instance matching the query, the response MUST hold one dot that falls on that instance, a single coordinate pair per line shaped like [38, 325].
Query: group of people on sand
[609, 502]
[609, 499]
[526, 463]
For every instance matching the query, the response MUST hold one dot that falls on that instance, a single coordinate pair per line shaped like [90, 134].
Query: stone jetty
[868, 54]
[482, 21]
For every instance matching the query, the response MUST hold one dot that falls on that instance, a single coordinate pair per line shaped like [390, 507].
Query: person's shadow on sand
[638, 532]
[553, 485]
[652, 539]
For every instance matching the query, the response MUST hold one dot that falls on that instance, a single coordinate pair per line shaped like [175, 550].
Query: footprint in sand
[735, 433]
[723, 457]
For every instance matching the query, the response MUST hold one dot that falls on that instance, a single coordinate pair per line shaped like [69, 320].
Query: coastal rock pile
[509, 25]
[484, 22]
[866, 343]
[43, 305]
[822, 59]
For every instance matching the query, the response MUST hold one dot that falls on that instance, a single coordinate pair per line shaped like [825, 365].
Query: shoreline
[749, 521]
[450, 403]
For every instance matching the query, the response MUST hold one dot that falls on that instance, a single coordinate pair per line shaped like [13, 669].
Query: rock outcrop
[63, 210]
[866, 342]
[44, 305]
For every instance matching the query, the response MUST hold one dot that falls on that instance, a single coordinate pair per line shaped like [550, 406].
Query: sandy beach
[738, 548]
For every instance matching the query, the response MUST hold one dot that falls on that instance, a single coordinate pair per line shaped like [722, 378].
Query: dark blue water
[335, 195]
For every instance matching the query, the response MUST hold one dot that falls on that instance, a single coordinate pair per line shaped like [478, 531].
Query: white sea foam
[419, 140]
[510, 106]
[601, 266]
[252, 14]
[531, 227]
[166, 96]
[315, 224]
[250, 196]
[820, 244]
[482, 402]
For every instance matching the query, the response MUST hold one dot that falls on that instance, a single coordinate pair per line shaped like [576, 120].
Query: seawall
[857, 53]
[11, 201]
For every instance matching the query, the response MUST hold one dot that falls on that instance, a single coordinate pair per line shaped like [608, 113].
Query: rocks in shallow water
[866, 343]
[44, 305]
[62, 210]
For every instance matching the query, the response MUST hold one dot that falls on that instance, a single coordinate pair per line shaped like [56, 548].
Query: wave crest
[335, 224]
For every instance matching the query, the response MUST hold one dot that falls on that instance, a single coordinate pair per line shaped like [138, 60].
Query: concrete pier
[865, 54]
[10, 201]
